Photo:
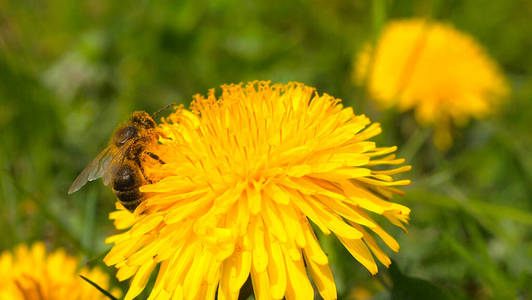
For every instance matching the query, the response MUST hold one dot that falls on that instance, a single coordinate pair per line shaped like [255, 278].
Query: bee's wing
[94, 170]
[112, 162]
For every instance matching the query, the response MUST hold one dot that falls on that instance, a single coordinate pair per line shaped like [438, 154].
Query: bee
[120, 162]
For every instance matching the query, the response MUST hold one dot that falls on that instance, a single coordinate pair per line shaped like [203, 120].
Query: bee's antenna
[162, 109]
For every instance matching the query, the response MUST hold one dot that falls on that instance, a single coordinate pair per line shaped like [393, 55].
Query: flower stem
[414, 143]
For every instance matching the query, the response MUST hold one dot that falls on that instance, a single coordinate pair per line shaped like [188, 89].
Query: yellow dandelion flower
[32, 274]
[442, 74]
[245, 176]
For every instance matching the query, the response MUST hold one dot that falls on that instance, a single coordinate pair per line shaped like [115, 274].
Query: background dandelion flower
[32, 274]
[442, 74]
[245, 175]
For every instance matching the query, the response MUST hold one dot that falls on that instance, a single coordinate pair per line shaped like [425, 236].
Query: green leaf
[99, 288]
[406, 287]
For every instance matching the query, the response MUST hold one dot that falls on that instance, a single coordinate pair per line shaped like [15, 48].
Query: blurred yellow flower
[360, 293]
[442, 74]
[32, 274]
[243, 175]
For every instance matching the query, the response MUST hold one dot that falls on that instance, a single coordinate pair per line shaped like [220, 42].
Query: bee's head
[143, 120]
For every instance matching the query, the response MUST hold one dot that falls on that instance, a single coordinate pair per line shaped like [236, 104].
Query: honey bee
[120, 162]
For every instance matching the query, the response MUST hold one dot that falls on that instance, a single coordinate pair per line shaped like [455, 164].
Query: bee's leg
[135, 156]
[142, 171]
[155, 156]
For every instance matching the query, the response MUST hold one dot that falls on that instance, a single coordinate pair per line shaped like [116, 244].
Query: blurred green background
[70, 71]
